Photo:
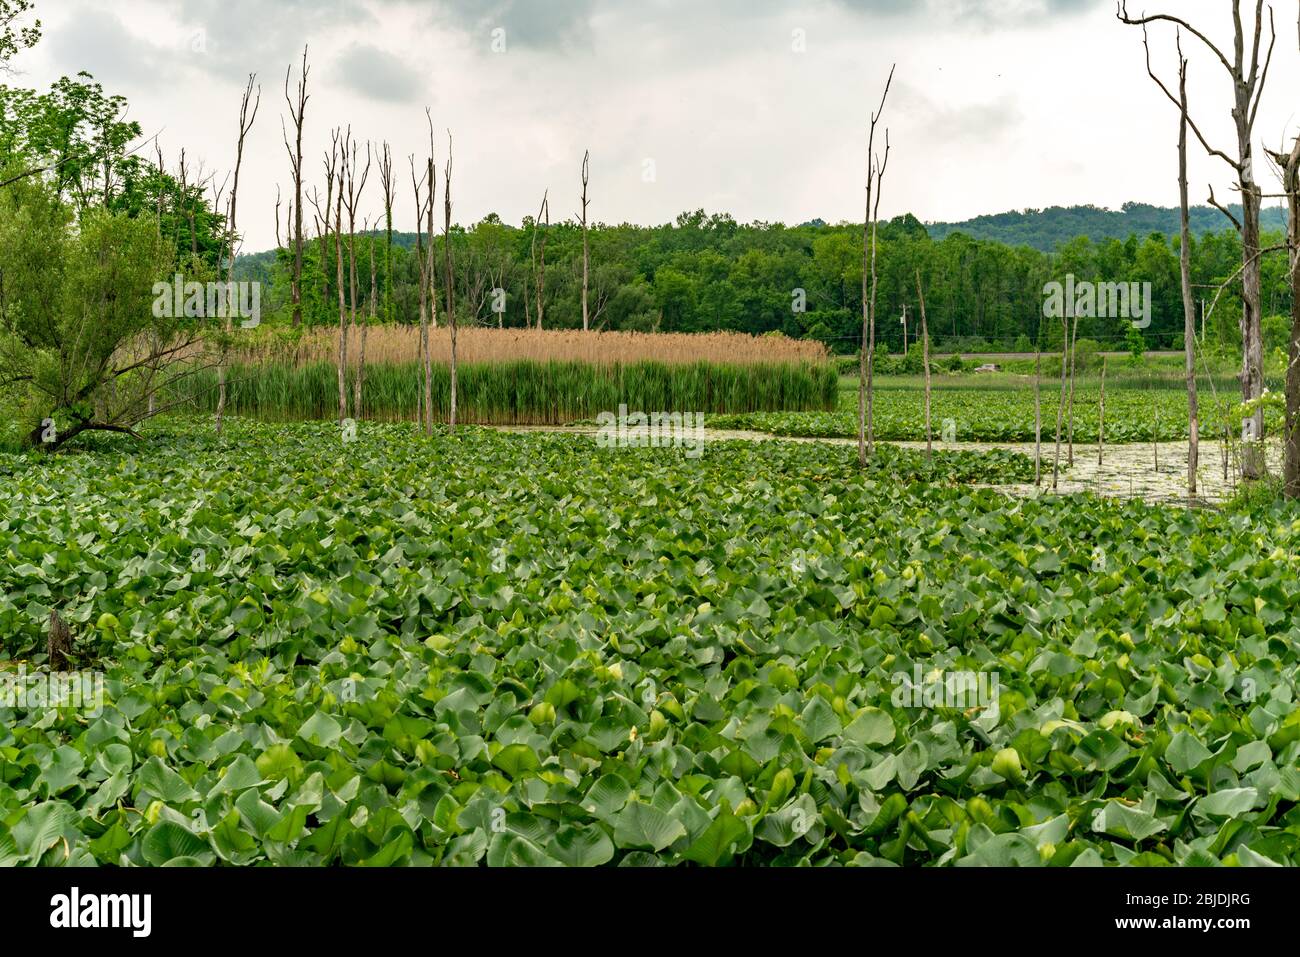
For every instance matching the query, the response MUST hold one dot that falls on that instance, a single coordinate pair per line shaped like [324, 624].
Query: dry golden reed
[398, 345]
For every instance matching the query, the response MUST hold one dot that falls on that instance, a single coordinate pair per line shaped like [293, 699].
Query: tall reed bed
[395, 345]
[525, 391]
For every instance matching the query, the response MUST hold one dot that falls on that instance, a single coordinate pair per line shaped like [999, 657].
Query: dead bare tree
[355, 188]
[586, 250]
[925, 360]
[1185, 276]
[1291, 459]
[246, 121]
[342, 144]
[182, 174]
[1060, 405]
[322, 216]
[432, 271]
[367, 319]
[1185, 263]
[1248, 79]
[431, 262]
[1101, 416]
[1288, 164]
[388, 185]
[867, 354]
[539, 276]
[421, 209]
[1038, 411]
[297, 113]
[374, 304]
[449, 280]
[279, 242]
[1074, 339]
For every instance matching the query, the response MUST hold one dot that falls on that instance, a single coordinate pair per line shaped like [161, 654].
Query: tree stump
[59, 647]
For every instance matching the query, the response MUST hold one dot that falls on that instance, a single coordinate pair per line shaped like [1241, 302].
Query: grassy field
[530, 650]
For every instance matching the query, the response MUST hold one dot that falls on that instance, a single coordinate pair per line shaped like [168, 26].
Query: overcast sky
[757, 108]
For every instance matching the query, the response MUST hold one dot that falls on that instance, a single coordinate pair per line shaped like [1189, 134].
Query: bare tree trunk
[867, 353]
[386, 178]
[323, 216]
[431, 272]
[586, 251]
[1155, 431]
[1252, 378]
[545, 211]
[1224, 450]
[449, 280]
[1038, 415]
[1289, 164]
[1185, 275]
[425, 398]
[245, 124]
[358, 384]
[1248, 80]
[297, 112]
[355, 188]
[871, 326]
[925, 359]
[1291, 465]
[1060, 405]
[343, 309]
[1101, 416]
[1074, 340]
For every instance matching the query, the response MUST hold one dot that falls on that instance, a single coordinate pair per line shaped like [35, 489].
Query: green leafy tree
[81, 348]
[15, 36]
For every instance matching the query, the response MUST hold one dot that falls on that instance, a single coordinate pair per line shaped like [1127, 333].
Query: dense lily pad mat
[529, 650]
[1005, 415]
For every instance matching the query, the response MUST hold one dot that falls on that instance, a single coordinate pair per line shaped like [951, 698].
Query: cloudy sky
[758, 108]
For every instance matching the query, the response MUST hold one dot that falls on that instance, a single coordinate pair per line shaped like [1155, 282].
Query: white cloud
[998, 104]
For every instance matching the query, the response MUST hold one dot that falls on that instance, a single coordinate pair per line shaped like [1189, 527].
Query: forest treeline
[706, 272]
[1046, 229]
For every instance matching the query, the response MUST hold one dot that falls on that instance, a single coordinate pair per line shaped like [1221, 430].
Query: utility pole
[903, 320]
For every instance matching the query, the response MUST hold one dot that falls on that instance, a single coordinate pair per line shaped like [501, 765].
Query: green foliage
[523, 392]
[1136, 344]
[1007, 414]
[16, 36]
[1047, 229]
[78, 319]
[76, 140]
[705, 273]
[1257, 497]
[529, 650]
[1276, 331]
[1087, 356]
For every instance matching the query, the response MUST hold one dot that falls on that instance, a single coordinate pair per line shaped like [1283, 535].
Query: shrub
[1087, 355]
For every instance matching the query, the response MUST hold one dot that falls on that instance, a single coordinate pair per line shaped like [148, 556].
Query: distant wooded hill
[1045, 229]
